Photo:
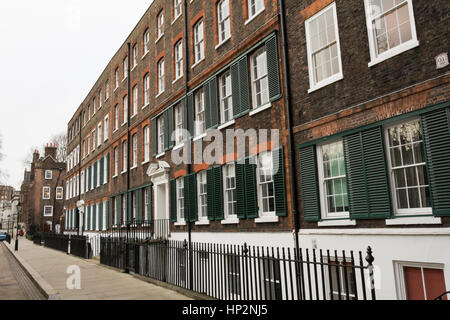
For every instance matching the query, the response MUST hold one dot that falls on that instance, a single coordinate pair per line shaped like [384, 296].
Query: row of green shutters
[240, 96]
[246, 191]
[367, 174]
[93, 169]
[139, 194]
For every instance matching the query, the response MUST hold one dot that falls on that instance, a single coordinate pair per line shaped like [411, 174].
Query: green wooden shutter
[310, 186]
[251, 189]
[241, 196]
[118, 209]
[244, 85]
[279, 182]
[88, 178]
[139, 214]
[108, 163]
[190, 198]
[367, 179]
[95, 175]
[108, 213]
[102, 170]
[173, 200]
[190, 114]
[218, 193]
[89, 217]
[187, 198]
[149, 203]
[213, 103]
[100, 216]
[154, 138]
[273, 69]
[436, 135]
[210, 193]
[206, 93]
[194, 206]
[236, 92]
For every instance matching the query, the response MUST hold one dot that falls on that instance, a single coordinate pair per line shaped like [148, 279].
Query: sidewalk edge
[46, 289]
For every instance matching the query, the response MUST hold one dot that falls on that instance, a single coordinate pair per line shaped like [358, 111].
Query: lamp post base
[16, 246]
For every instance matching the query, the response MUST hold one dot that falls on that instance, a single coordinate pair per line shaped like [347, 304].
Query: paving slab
[96, 282]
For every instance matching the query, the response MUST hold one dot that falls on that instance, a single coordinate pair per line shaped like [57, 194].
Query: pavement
[51, 269]
[15, 284]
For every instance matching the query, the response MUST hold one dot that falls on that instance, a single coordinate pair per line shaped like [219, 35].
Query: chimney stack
[50, 150]
[35, 156]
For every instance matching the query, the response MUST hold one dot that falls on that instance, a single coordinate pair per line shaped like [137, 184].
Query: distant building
[42, 192]
[6, 193]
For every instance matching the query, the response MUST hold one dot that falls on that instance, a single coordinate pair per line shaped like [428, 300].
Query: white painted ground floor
[409, 263]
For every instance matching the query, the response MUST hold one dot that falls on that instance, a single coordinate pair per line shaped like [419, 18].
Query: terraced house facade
[371, 122]
[170, 88]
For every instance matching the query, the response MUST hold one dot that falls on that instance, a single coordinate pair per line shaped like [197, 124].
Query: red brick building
[42, 192]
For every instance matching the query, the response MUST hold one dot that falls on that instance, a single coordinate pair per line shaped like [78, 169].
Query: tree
[3, 174]
[60, 140]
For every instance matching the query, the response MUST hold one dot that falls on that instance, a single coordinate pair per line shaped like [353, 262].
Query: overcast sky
[51, 54]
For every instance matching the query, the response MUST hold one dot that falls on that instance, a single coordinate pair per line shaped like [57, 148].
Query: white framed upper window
[202, 196]
[266, 188]
[135, 146]
[106, 128]
[48, 211]
[125, 109]
[116, 77]
[160, 135]
[116, 117]
[100, 99]
[223, 20]
[178, 60]
[135, 55]
[124, 156]
[178, 124]
[46, 193]
[146, 144]
[407, 169]
[107, 90]
[125, 68]
[260, 80]
[94, 136]
[146, 89]
[199, 102]
[59, 193]
[116, 161]
[229, 190]
[177, 9]
[48, 174]
[99, 133]
[226, 98]
[199, 43]
[391, 28]
[332, 180]
[135, 100]
[160, 20]
[146, 204]
[323, 46]
[255, 7]
[161, 76]
[105, 170]
[180, 199]
[146, 42]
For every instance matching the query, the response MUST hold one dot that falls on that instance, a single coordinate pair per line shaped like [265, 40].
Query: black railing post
[370, 259]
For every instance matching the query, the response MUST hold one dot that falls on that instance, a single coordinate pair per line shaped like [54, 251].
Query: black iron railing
[140, 230]
[79, 246]
[230, 272]
[443, 296]
[55, 241]
[37, 239]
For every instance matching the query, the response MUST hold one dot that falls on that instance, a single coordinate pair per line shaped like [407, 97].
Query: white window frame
[199, 41]
[177, 9]
[105, 169]
[146, 42]
[223, 22]
[161, 76]
[146, 204]
[59, 190]
[48, 174]
[202, 175]
[125, 68]
[135, 153]
[146, 90]
[44, 192]
[323, 199]
[376, 58]
[255, 3]
[116, 161]
[160, 20]
[125, 109]
[180, 199]
[178, 117]
[311, 70]
[135, 100]
[146, 144]
[124, 156]
[262, 214]
[117, 80]
[178, 58]
[99, 134]
[226, 96]
[263, 77]
[226, 200]
[135, 56]
[403, 212]
[116, 117]
[50, 214]
[199, 105]
[161, 145]
[124, 209]
[107, 90]
[106, 128]
[82, 182]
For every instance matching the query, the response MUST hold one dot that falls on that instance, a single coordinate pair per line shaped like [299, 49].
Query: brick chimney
[50, 150]
[35, 156]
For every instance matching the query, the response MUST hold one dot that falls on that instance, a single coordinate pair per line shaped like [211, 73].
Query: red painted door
[424, 283]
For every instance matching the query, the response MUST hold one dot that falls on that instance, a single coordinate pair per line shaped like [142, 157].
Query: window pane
[414, 198]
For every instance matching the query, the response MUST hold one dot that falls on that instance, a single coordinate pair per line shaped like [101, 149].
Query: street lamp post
[16, 246]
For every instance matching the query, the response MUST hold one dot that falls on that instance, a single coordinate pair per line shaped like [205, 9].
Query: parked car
[4, 235]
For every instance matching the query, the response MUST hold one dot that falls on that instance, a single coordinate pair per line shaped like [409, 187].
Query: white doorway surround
[159, 174]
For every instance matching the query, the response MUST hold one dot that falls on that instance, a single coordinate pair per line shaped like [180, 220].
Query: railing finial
[369, 258]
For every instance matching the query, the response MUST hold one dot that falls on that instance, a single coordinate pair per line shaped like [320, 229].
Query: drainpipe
[186, 88]
[294, 193]
[129, 201]
[79, 175]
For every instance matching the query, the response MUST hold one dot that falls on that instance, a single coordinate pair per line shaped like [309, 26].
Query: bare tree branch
[60, 140]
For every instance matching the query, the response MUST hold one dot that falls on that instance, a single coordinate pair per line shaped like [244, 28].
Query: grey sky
[51, 53]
